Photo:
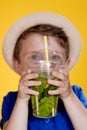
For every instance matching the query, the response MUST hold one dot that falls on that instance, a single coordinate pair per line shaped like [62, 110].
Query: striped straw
[46, 52]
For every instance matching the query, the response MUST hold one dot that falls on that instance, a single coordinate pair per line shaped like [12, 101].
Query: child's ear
[17, 66]
[67, 63]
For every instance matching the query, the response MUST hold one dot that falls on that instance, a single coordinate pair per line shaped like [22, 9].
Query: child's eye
[35, 57]
[55, 57]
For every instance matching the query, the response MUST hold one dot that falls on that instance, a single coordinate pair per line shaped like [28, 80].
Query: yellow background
[11, 10]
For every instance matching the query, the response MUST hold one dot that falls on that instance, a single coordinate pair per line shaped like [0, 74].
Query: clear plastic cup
[43, 105]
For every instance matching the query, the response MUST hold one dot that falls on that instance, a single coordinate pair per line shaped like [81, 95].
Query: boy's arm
[76, 111]
[19, 117]
[5, 125]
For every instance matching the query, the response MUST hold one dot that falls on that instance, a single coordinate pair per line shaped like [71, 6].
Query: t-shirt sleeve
[7, 107]
[80, 94]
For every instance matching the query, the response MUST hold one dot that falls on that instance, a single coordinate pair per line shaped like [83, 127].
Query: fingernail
[60, 70]
[36, 75]
[37, 93]
[49, 92]
[39, 82]
[54, 72]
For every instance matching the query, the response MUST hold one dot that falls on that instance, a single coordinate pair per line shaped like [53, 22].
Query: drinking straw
[46, 52]
[48, 65]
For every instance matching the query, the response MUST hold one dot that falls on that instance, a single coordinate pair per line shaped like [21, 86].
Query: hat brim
[42, 18]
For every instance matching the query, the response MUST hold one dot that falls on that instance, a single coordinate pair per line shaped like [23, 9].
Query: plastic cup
[44, 105]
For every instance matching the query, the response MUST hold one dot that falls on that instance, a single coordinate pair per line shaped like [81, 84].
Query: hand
[63, 84]
[26, 83]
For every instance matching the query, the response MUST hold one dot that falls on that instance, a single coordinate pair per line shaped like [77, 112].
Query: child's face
[35, 42]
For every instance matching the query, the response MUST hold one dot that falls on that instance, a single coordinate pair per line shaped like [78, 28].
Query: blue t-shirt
[60, 122]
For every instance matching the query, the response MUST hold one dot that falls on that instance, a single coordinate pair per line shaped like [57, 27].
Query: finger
[61, 74]
[28, 77]
[31, 83]
[58, 75]
[55, 92]
[56, 83]
[31, 92]
[64, 71]
[25, 72]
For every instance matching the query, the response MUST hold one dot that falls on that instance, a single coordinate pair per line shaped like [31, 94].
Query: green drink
[44, 105]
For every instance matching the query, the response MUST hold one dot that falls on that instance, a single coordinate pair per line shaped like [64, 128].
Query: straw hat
[42, 18]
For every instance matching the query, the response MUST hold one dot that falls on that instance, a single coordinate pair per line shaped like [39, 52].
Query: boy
[23, 39]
